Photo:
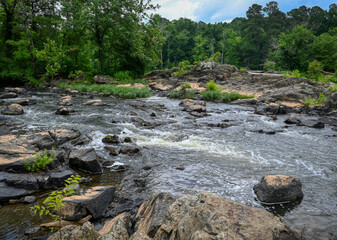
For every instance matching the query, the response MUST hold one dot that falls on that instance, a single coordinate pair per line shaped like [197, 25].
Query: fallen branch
[64, 223]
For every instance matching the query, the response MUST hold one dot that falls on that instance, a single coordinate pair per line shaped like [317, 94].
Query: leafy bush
[183, 68]
[297, 74]
[185, 86]
[54, 202]
[175, 94]
[189, 94]
[40, 163]
[311, 101]
[333, 88]
[269, 66]
[212, 86]
[124, 77]
[210, 95]
[315, 70]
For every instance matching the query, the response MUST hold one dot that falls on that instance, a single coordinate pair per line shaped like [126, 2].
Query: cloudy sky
[224, 10]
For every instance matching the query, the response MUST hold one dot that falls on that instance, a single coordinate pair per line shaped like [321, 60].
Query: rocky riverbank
[75, 153]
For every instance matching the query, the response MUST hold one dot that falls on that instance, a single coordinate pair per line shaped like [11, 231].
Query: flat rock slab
[94, 202]
[8, 193]
[85, 160]
[95, 102]
[64, 135]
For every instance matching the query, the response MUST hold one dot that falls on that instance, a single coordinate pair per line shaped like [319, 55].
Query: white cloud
[175, 9]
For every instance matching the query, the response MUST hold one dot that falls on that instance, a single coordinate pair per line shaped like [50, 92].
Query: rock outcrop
[85, 160]
[207, 216]
[275, 189]
[93, 202]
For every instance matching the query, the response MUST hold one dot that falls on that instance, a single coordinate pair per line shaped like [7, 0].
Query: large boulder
[73, 232]
[65, 101]
[207, 216]
[85, 160]
[116, 229]
[275, 189]
[93, 202]
[13, 109]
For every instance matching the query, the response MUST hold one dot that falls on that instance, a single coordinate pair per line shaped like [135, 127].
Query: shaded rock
[207, 216]
[24, 102]
[101, 79]
[274, 189]
[81, 140]
[73, 232]
[24, 181]
[96, 102]
[65, 101]
[292, 119]
[94, 202]
[112, 151]
[15, 90]
[313, 124]
[13, 109]
[64, 135]
[151, 214]
[85, 160]
[32, 230]
[131, 151]
[62, 110]
[8, 95]
[7, 193]
[29, 199]
[56, 178]
[114, 139]
[117, 228]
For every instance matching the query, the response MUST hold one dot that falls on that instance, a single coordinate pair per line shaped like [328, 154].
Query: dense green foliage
[54, 202]
[312, 101]
[266, 37]
[122, 92]
[40, 163]
[79, 39]
[59, 38]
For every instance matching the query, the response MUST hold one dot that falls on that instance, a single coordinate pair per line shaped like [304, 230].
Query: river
[191, 155]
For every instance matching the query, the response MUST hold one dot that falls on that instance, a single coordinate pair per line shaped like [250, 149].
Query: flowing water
[191, 155]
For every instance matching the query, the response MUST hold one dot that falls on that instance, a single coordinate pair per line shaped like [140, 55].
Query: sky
[211, 11]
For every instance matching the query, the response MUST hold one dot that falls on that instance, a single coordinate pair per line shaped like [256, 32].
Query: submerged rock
[94, 202]
[207, 216]
[131, 151]
[112, 151]
[111, 139]
[85, 160]
[13, 109]
[275, 189]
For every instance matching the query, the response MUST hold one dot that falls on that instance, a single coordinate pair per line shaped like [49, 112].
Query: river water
[190, 155]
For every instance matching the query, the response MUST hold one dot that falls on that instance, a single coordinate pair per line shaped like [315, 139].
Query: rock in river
[114, 139]
[66, 101]
[94, 202]
[13, 109]
[275, 189]
[62, 110]
[85, 160]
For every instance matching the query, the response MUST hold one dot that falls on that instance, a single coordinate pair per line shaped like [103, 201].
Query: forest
[47, 39]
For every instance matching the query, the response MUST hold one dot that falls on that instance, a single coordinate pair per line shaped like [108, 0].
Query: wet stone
[111, 139]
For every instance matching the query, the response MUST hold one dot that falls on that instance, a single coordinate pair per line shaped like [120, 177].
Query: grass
[189, 94]
[225, 97]
[312, 101]
[121, 92]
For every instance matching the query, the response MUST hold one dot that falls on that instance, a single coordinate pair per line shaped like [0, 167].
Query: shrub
[287, 74]
[54, 202]
[210, 95]
[315, 70]
[269, 66]
[123, 75]
[183, 68]
[311, 101]
[296, 74]
[175, 94]
[40, 163]
[212, 86]
[185, 86]
[189, 95]
[333, 88]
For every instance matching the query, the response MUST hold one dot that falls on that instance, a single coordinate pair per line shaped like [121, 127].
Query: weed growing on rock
[212, 86]
[312, 102]
[40, 163]
[185, 86]
[54, 202]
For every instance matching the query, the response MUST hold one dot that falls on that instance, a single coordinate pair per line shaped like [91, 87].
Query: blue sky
[224, 10]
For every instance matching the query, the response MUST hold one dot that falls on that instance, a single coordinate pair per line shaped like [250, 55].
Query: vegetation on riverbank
[315, 101]
[121, 92]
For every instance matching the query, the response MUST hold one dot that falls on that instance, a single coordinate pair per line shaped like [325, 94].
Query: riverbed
[225, 153]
